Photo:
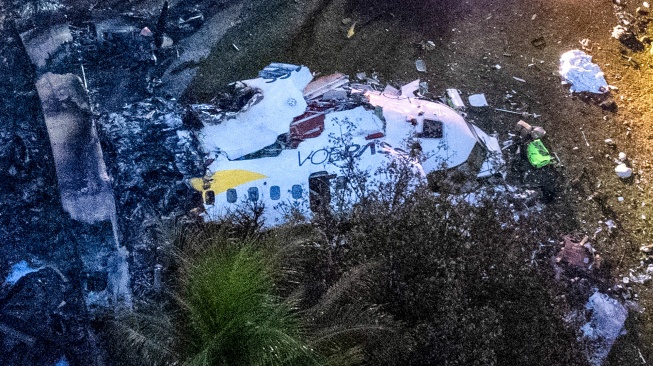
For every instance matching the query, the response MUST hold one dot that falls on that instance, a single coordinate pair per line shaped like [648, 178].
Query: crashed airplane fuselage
[295, 137]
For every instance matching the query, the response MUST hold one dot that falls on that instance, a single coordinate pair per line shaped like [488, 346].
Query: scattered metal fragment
[558, 159]
[420, 65]
[585, 138]
[478, 100]
[455, 99]
[523, 114]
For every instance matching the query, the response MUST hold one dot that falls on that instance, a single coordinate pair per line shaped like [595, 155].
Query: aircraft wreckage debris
[319, 126]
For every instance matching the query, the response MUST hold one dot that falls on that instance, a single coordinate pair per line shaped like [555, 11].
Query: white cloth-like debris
[577, 69]
[607, 320]
[623, 171]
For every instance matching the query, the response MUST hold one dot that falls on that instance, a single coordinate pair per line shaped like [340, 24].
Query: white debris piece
[607, 320]
[620, 32]
[460, 138]
[477, 100]
[365, 123]
[577, 69]
[622, 157]
[623, 171]
[640, 278]
[456, 100]
[420, 65]
[409, 89]
[19, 270]
[282, 98]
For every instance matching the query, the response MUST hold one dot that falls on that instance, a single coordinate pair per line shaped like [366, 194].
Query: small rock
[626, 280]
[610, 142]
[346, 21]
[167, 42]
[538, 132]
[623, 171]
[609, 105]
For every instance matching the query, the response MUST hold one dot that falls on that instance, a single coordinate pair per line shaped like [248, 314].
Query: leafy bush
[461, 281]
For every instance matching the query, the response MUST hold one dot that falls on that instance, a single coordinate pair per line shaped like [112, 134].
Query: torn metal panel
[83, 180]
[84, 184]
[324, 84]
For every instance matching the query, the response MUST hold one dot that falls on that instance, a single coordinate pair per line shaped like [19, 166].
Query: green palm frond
[143, 338]
[233, 316]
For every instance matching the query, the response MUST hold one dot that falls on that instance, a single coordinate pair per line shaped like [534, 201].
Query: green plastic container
[538, 155]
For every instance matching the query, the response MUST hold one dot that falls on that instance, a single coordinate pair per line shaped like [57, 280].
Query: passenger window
[209, 197]
[232, 195]
[275, 193]
[252, 194]
[296, 191]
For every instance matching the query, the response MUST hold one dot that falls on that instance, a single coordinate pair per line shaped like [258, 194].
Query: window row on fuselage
[253, 194]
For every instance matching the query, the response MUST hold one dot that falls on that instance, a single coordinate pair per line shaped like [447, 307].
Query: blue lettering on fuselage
[324, 155]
